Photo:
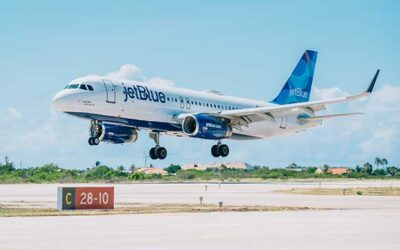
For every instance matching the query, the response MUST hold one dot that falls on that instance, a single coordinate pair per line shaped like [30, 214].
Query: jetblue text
[143, 93]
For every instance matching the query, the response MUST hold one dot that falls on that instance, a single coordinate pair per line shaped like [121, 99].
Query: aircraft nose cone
[59, 101]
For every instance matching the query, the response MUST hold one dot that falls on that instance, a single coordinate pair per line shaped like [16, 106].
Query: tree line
[51, 173]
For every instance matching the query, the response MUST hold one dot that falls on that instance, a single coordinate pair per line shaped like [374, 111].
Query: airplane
[118, 109]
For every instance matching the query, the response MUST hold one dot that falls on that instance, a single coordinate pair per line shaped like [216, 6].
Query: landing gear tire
[94, 141]
[161, 153]
[215, 151]
[223, 150]
[153, 153]
[158, 153]
[220, 150]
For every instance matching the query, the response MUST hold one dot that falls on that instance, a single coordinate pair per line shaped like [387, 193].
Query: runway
[351, 222]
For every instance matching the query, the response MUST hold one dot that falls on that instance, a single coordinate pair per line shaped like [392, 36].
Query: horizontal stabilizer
[324, 117]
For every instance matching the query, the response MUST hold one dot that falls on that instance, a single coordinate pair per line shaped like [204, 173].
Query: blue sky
[242, 48]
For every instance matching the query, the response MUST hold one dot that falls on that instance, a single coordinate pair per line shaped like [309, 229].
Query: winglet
[372, 84]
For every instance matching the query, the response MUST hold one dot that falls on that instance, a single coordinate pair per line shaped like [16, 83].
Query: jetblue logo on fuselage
[143, 93]
[212, 125]
[298, 92]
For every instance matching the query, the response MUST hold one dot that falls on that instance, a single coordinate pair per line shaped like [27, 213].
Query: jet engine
[115, 134]
[206, 127]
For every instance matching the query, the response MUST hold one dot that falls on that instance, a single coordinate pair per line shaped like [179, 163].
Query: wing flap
[324, 117]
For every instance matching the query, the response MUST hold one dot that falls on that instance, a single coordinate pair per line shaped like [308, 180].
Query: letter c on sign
[68, 198]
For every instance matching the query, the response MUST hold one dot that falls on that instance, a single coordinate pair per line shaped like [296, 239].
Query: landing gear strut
[157, 152]
[220, 150]
[95, 133]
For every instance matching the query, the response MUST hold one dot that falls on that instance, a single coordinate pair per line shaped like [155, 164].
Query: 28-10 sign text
[85, 198]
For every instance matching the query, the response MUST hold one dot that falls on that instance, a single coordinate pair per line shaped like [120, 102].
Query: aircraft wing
[245, 116]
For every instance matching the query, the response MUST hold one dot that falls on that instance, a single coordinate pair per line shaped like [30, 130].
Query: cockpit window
[73, 86]
[90, 87]
[83, 86]
[66, 86]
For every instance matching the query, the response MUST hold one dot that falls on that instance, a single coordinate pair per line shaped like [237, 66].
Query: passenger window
[90, 87]
[167, 98]
[83, 86]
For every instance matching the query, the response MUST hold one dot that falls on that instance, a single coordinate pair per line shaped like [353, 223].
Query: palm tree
[121, 169]
[384, 162]
[367, 168]
[378, 162]
[132, 168]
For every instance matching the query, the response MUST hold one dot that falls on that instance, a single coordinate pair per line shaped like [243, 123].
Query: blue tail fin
[298, 87]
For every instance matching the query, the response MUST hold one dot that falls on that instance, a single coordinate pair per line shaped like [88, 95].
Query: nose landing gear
[220, 150]
[93, 141]
[95, 133]
[157, 152]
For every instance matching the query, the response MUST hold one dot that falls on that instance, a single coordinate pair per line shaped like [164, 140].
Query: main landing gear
[157, 152]
[220, 150]
[95, 132]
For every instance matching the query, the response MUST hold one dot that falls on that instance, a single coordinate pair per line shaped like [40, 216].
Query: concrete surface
[344, 229]
[355, 222]
[44, 195]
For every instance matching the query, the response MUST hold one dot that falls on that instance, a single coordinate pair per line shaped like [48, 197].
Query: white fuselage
[153, 107]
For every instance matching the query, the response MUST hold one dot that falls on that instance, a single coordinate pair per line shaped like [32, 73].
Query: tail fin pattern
[298, 87]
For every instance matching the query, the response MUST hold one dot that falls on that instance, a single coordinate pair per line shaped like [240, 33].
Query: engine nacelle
[206, 127]
[117, 134]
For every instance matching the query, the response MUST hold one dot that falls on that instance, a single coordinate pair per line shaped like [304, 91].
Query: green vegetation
[51, 173]
[370, 191]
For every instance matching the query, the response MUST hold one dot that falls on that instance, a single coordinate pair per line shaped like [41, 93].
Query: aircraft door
[187, 103]
[182, 102]
[110, 91]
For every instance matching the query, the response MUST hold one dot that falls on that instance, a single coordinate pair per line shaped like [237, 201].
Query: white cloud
[161, 82]
[323, 94]
[11, 115]
[15, 114]
[133, 72]
[386, 99]
[381, 141]
[34, 139]
[376, 133]
[128, 71]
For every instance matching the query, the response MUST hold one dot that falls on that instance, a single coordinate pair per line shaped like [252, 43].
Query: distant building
[231, 165]
[152, 171]
[333, 170]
